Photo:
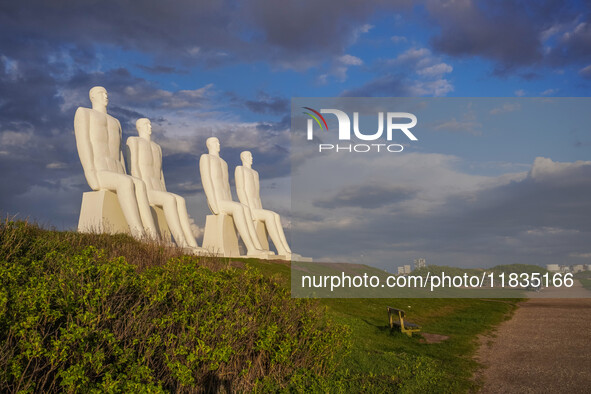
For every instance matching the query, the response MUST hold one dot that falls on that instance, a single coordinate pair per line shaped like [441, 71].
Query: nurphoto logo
[394, 122]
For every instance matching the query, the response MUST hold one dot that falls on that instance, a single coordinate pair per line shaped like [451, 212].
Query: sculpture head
[98, 97]
[144, 127]
[213, 145]
[246, 158]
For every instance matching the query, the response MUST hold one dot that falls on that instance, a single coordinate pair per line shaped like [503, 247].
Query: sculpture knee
[125, 184]
[268, 216]
[140, 186]
[169, 201]
[180, 201]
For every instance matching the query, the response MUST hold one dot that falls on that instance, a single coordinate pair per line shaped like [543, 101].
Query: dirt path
[544, 348]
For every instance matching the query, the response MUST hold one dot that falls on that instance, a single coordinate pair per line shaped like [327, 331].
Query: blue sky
[230, 69]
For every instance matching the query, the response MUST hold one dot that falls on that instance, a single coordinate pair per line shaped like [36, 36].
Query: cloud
[573, 44]
[414, 72]
[520, 93]
[513, 35]
[10, 138]
[56, 165]
[361, 30]
[435, 70]
[373, 195]
[532, 217]
[585, 72]
[468, 123]
[267, 104]
[339, 68]
[549, 92]
[385, 86]
[505, 108]
[351, 60]
[544, 169]
[146, 96]
[210, 33]
[291, 30]
[161, 69]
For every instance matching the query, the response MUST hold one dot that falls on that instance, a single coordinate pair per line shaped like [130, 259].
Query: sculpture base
[101, 213]
[220, 236]
[300, 258]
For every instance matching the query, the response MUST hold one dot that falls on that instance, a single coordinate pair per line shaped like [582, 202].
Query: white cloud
[15, 138]
[398, 39]
[351, 60]
[429, 69]
[544, 168]
[549, 92]
[56, 165]
[520, 92]
[339, 68]
[11, 67]
[585, 72]
[412, 55]
[435, 70]
[361, 30]
[505, 108]
[439, 87]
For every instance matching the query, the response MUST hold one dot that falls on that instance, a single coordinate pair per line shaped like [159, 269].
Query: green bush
[77, 319]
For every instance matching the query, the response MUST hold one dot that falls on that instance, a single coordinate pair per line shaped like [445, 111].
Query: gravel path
[544, 348]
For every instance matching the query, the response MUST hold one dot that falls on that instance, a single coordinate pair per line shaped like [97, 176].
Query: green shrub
[76, 319]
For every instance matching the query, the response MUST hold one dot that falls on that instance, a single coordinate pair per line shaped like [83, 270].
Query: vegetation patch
[101, 313]
[73, 318]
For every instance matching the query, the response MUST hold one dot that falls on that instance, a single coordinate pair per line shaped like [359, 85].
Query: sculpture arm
[131, 149]
[240, 187]
[161, 169]
[121, 158]
[257, 203]
[205, 171]
[84, 147]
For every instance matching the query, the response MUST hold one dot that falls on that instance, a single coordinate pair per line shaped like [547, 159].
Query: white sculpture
[145, 161]
[248, 190]
[98, 139]
[214, 177]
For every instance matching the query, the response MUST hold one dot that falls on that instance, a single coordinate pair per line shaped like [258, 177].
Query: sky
[230, 69]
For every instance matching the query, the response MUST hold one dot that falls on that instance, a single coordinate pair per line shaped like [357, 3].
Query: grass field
[584, 278]
[383, 360]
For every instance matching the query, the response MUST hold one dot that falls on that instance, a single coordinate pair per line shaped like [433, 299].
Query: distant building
[400, 270]
[407, 269]
[578, 268]
[420, 263]
[588, 267]
[553, 267]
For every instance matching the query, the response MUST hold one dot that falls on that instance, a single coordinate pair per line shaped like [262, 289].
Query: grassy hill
[89, 312]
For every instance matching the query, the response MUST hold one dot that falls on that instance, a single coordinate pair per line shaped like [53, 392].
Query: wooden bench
[396, 318]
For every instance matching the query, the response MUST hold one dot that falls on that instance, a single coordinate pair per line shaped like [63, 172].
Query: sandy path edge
[544, 347]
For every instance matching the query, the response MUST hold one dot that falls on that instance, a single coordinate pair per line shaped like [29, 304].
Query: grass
[372, 358]
[383, 360]
[585, 279]
[76, 318]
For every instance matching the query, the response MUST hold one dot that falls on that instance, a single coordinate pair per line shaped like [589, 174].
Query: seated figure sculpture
[248, 190]
[214, 177]
[98, 139]
[145, 160]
